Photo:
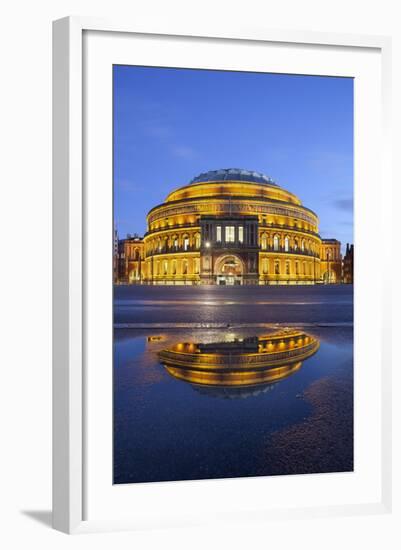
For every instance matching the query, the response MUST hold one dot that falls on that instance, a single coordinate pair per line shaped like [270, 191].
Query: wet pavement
[174, 426]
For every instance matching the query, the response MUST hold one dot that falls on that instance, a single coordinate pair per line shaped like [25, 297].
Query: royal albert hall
[232, 227]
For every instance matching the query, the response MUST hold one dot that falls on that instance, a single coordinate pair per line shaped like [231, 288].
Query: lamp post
[208, 245]
[328, 267]
[314, 268]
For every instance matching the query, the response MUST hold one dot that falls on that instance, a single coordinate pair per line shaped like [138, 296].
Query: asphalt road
[318, 304]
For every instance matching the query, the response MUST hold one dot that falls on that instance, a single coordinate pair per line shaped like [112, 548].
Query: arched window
[197, 240]
[265, 266]
[303, 245]
[175, 242]
[286, 243]
[186, 242]
[264, 241]
[276, 242]
[295, 244]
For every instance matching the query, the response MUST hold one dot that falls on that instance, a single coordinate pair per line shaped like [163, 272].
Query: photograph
[231, 255]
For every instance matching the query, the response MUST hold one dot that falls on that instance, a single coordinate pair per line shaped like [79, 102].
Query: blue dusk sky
[172, 124]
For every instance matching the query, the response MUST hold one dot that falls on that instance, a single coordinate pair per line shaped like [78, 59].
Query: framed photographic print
[216, 347]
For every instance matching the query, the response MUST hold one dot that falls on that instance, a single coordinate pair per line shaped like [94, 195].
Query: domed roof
[233, 174]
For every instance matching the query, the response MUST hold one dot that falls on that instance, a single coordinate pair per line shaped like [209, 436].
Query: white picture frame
[70, 224]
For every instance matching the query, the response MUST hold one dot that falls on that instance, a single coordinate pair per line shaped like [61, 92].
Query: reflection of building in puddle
[155, 338]
[239, 367]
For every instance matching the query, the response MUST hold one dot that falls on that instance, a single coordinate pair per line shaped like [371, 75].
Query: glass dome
[233, 174]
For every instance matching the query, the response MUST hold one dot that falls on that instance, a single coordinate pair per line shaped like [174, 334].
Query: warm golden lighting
[253, 232]
[245, 362]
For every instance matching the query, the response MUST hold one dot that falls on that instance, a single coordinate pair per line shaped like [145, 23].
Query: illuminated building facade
[231, 227]
[330, 261]
[130, 257]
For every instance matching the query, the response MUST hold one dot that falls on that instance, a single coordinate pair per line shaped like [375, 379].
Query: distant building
[129, 259]
[115, 256]
[348, 264]
[230, 227]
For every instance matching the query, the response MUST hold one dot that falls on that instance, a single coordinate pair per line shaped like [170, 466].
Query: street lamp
[208, 245]
[314, 268]
[328, 267]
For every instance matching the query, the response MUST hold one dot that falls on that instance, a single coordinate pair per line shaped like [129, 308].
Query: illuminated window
[175, 244]
[218, 233]
[197, 240]
[240, 234]
[186, 243]
[275, 242]
[264, 241]
[303, 245]
[286, 244]
[265, 266]
[296, 244]
[230, 233]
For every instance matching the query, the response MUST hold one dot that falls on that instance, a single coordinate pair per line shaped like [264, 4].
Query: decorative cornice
[223, 205]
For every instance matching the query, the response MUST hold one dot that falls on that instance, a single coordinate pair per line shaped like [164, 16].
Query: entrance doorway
[229, 280]
[229, 270]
